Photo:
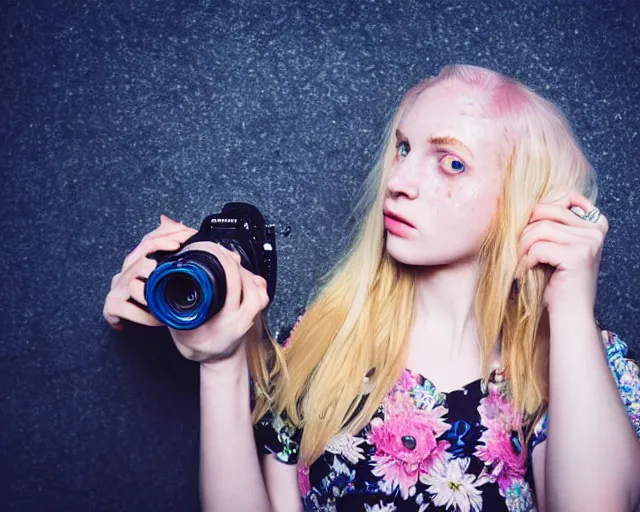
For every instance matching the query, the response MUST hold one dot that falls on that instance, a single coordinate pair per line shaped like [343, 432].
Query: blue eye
[456, 165]
[403, 148]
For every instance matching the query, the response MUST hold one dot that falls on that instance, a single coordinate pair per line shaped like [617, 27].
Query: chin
[407, 257]
[418, 256]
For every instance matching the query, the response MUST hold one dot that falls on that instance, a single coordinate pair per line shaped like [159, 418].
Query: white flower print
[453, 487]
[340, 468]
[347, 446]
[387, 486]
[338, 479]
[420, 501]
[329, 504]
[381, 507]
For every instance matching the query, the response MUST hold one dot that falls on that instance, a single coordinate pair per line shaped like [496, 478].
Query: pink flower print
[407, 381]
[498, 451]
[406, 443]
[506, 464]
[304, 484]
[496, 409]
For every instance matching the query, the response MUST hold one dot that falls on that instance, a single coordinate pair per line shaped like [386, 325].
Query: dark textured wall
[115, 112]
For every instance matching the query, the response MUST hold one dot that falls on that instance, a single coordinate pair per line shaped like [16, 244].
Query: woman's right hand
[220, 336]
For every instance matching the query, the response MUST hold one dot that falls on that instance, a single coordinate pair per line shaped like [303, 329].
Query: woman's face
[447, 190]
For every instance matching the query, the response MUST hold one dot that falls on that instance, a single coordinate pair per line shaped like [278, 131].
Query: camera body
[188, 286]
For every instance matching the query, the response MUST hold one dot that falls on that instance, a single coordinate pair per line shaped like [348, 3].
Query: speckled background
[115, 112]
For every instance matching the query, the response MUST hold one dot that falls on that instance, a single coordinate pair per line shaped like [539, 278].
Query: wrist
[572, 310]
[229, 366]
[571, 327]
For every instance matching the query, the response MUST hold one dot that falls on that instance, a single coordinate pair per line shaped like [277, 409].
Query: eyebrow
[441, 141]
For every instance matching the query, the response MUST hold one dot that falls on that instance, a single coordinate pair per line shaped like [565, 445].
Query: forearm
[593, 454]
[230, 474]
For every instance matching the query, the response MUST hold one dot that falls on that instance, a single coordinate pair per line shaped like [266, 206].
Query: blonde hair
[359, 317]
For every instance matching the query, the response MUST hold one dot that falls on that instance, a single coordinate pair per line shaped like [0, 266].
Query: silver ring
[592, 215]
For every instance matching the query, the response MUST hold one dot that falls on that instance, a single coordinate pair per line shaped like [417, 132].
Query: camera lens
[186, 290]
[181, 292]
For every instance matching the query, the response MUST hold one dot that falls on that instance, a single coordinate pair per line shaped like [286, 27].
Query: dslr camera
[189, 286]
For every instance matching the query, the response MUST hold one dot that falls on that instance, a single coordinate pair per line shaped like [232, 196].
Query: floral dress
[425, 450]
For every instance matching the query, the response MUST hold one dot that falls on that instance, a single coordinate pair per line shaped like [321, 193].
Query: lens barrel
[186, 290]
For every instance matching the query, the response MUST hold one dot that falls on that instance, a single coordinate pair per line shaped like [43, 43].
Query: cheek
[464, 204]
[469, 208]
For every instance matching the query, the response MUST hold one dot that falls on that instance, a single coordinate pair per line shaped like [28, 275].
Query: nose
[402, 180]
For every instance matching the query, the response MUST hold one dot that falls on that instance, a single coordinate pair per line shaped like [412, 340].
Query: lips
[397, 217]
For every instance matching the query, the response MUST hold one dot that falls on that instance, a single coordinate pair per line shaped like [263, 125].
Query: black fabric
[338, 483]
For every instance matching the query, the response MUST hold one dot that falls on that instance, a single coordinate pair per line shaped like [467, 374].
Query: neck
[444, 300]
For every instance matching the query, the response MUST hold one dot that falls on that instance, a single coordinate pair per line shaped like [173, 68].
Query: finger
[164, 229]
[136, 291]
[546, 252]
[164, 219]
[582, 205]
[254, 298]
[571, 198]
[577, 199]
[551, 231]
[260, 281]
[142, 268]
[108, 312]
[231, 266]
[131, 285]
[175, 232]
[147, 246]
[170, 230]
[259, 284]
[117, 308]
[558, 213]
[137, 275]
[180, 236]
[574, 200]
[559, 235]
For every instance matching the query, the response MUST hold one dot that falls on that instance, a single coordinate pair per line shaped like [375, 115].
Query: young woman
[451, 360]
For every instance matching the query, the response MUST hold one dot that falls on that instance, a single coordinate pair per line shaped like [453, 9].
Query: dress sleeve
[274, 433]
[626, 373]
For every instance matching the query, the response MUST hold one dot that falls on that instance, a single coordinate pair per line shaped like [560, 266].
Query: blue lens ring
[193, 314]
[158, 305]
[167, 314]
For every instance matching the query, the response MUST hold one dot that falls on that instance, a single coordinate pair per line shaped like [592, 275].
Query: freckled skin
[451, 210]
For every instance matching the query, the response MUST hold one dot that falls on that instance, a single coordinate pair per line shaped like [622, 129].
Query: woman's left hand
[558, 237]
